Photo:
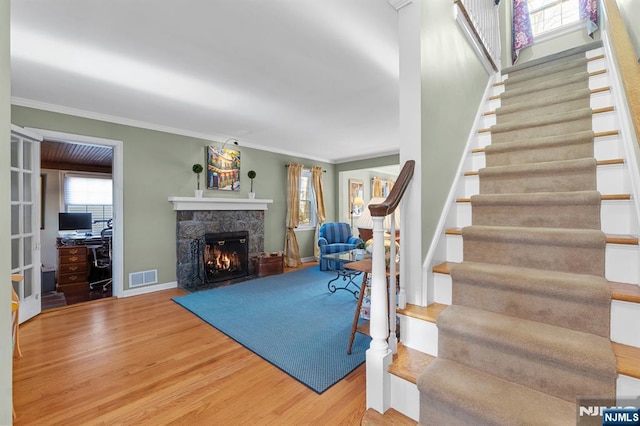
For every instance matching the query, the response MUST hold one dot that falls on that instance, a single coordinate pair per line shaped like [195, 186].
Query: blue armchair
[334, 237]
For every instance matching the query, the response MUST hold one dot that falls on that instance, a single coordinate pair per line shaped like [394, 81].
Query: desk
[347, 275]
[363, 266]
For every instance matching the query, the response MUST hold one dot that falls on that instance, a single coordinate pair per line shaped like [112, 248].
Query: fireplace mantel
[205, 203]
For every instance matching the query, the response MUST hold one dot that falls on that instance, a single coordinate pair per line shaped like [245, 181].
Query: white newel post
[378, 355]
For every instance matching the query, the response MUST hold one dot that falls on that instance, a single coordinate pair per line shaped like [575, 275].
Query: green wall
[157, 165]
[453, 82]
[5, 217]
[630, 11]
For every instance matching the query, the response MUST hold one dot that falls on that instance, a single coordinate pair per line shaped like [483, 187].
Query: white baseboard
[308, 259]
[149, 289]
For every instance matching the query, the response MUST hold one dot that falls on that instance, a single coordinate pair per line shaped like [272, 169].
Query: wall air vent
[136, 279]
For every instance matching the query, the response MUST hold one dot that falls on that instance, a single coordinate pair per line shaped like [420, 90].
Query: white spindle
[482, 16]
[393, 338]
[378, 323]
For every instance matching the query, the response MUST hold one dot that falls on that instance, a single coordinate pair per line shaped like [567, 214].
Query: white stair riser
[607, 148]
[625, 316]
[621, 263]
[419, 335]
[621, 260]
[596, 65]
[598, 81]
[604, 121]
[493, 104]
[443, 289]
[488, 121]
[628, 387]
[405, 397]
[595, 52]
[478, 161]
[615, 217]
[497, 90]
[610, 179]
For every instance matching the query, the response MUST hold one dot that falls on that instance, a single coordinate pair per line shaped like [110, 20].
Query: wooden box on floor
[268, 264]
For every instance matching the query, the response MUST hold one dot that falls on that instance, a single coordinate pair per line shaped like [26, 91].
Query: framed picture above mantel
[223, 168]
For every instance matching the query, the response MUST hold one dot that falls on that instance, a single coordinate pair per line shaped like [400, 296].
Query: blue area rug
[290, 320]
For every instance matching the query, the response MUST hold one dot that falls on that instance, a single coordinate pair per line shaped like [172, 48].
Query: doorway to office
[73, 161]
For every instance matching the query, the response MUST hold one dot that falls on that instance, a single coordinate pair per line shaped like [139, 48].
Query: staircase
[540, 272]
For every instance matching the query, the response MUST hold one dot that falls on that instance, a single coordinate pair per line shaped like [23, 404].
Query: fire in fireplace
[226, 256]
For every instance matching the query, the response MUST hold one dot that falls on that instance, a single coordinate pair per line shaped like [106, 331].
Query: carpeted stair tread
[551, 148]
[540, 107]
[548, 358]
[565, 55]
[550, 125]
[559, 344]
[575, 301]
[577, 209]
[546, 88]
[568, 237]
[556, 249]
[453, 394]
[550, 176]
[549, 71]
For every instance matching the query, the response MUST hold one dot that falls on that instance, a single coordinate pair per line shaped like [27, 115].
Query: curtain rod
[305, 167]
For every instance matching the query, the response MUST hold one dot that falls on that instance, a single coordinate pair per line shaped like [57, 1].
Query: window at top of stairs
[552, 15]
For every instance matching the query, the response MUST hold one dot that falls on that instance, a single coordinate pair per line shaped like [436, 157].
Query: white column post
[378, 356]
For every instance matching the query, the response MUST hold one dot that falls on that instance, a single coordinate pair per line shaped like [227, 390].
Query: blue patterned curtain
[589, 11]
[522, 35]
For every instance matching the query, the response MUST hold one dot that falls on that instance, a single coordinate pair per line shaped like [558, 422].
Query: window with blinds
[89, 194]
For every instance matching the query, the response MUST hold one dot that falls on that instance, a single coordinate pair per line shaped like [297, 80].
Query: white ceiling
[310, 78]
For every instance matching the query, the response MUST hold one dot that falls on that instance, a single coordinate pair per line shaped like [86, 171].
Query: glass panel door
[25, 222]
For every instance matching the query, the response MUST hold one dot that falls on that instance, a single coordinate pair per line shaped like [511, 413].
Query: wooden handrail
[390, 204]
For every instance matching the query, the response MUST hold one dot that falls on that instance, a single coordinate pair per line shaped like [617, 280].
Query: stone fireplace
[200, 262]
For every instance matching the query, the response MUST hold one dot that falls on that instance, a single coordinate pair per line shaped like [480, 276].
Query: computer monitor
[75, 222]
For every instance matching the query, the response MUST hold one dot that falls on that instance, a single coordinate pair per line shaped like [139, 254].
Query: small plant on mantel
[252, 176]
[197, 169]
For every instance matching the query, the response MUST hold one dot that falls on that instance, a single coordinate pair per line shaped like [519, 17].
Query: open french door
[25, 219]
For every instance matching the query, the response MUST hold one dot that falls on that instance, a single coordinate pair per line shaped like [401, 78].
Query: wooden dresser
[73, 270]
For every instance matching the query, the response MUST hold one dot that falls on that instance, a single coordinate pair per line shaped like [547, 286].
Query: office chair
[102, 259]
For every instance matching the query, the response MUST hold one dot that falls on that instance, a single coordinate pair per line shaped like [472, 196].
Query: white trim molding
[204, 203]
[399, 4]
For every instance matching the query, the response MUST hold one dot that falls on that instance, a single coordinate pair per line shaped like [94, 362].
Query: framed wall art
[223, 168]
[356, 197]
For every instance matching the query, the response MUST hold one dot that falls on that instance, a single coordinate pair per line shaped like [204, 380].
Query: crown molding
[28, 103]
[399, 4]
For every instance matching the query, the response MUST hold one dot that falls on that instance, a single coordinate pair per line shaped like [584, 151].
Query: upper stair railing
[479, 19]
[382, 324]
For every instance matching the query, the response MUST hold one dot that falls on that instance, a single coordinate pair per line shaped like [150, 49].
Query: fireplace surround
[197, 217]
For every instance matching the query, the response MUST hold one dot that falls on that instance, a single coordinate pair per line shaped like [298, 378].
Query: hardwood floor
[146, 360]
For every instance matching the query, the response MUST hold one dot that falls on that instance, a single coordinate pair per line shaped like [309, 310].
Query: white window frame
[558, 31]
[97, 227]
[313, 212]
